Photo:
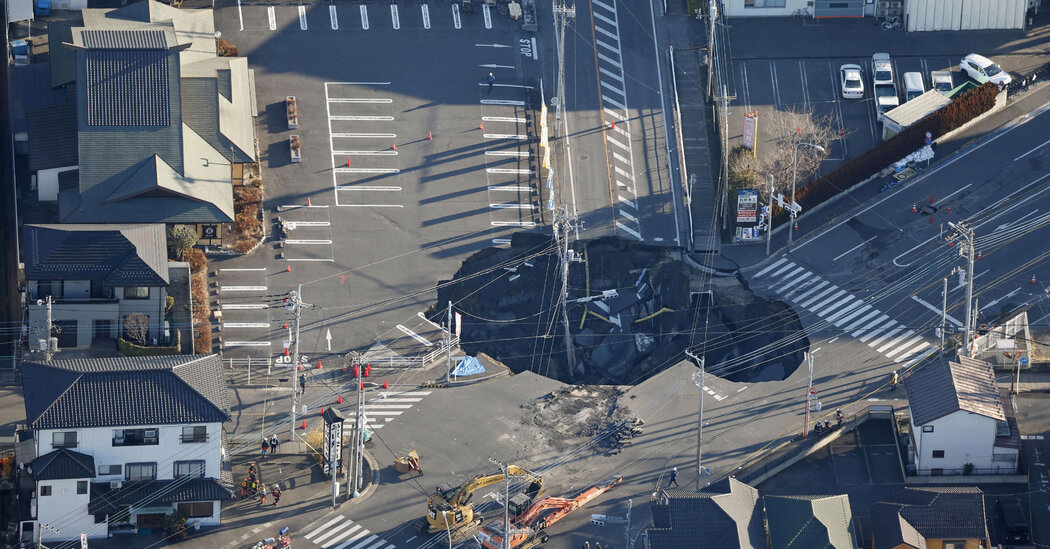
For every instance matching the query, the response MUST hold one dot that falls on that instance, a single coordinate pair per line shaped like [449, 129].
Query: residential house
[958, 422]
[95, 275]
[931, 518]
[119, 443]
[163, 125]
[726, 515]
[810, 522]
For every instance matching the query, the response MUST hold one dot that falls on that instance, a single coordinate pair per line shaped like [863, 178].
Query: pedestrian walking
[586, 545]
[254, 487]
[491, 81]
[265, 446]
[674, 477]
[276, 495]
[302, 384]
[597, 545]
[251, 471]
[244, 488]
[273, 443]
[893, 381]
[262, 496]
[838, 417]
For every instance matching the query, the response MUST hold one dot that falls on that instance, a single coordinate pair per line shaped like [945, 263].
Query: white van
[913, 86]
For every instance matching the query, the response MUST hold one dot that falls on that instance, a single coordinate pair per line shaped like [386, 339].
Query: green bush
[127, 348]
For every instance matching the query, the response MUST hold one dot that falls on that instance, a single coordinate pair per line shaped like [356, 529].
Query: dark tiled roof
[726, 515]
[53, 137]
[116, 391]
[127, 87]
[63, 464]
[930, 513]
[63, 60]
[119, 255]
[123, 39]
[810, 522]
[941, 388]
[30, 88]
[105, 499]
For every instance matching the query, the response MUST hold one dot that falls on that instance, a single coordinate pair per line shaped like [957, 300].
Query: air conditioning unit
[115, 484]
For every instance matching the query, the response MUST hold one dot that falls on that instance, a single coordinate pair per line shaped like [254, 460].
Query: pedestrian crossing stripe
[843, 310]
[343, 533]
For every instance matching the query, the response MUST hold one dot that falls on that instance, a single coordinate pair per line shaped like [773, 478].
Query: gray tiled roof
[63, 464]
[53, 137]
[119, 255]
[105, 392]
[810, 522]
[105, 499]
[127, 87]
[941, 388]
[62, 59]
[121, 39]
[726, 515]
[918, 514]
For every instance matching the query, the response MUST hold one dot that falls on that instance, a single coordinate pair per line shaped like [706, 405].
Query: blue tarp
[468, 367]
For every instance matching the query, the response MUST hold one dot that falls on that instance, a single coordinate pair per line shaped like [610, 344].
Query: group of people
[251, 486]
[270, 444]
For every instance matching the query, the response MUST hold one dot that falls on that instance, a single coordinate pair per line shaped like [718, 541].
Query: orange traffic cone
[362, 385]
[612, 125]
[914, 208]
[347, 162]
[430, 136]
[339, 400]
[481, 126]
[322, 411]
[384, 384]
[285, 325]
[393, 146]
[308, 201]
[318, 364]
[303, 426]
[288, 269]
[1033, 279]
[931, 199]
[979, 256]
[931, 219]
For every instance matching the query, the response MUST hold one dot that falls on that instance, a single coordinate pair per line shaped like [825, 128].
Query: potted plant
[294, 144]
[293, 112]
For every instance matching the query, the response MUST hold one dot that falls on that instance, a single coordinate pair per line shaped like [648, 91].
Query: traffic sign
[1024, 361]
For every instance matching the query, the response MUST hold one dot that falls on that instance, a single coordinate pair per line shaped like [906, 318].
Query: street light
[794, 174]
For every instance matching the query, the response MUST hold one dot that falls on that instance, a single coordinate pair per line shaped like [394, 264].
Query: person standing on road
[894, 378]
[586, 545]
[265, 446]
[674, 477]
[273, 443]
[276, 495]
[302, 384]
[262, 496]
[491, 81]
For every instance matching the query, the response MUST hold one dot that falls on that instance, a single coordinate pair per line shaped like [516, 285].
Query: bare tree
[136, 328]
[788, 128]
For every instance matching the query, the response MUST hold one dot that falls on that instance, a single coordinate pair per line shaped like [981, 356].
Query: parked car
[1011, 520]
[885, 99]
[942, 81]
[982, 70]
[852, 80]
[881, 69]
[913, 85]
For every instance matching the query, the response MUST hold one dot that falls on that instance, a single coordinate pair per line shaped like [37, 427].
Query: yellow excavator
[450, 510]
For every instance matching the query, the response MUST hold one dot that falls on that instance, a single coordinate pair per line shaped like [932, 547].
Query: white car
[852, 81]
[982, 70]
[881, 69]
[942, 81]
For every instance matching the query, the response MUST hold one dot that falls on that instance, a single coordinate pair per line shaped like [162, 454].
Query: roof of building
[116, 391]
[944, 387]
[918, 514]
[53, 136]
[119, 255]
[30, 88]
[810, 522]
[918, 108]
[106, 499]
[63, 464]
[62, 59]
[726, 515]
[1013, 440]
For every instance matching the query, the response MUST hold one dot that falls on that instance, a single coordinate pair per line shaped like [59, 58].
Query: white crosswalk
[842, 310]
[365, 17]
[389, 405]
[343, 533]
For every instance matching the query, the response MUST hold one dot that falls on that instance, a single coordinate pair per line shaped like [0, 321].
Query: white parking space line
[367, 170]
[455, 16]
[308, 242]
[333, 15]
[379, 188]
[488, 15]
[350, 118]
[513, 223]
[380, 100]
[245, 343]
[426, 16]
[365, 153]
[243, 306]
[302, 17]
[272, 17]
[776, 84]
[366, 135]
[509, 102]
[245, 324]
[364, 17]
[521, 154]
[394, 17]
[225, 270]
[242, 288]
[240, 14]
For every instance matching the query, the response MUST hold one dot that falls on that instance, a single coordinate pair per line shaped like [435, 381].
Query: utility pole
[562, 222]
[769, 230]
[944, 310]
[699, 381]
[296, 303]
[627, 532]
[809, 394]
[562, 15]
[966, 251]
[712, 17]
[506, 502]
[448, 345]
[359, 430]
[49, 352]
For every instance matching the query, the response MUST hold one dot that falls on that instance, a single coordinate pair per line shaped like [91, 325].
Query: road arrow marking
[328, 338]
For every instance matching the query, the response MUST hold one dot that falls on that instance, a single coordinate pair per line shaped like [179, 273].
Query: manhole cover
[585, 157]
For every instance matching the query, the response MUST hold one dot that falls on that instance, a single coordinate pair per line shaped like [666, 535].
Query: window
[1003, 458]
[45, 490]
[82, 487]
[136, 292]
[108, 470]
[134, 437]
[196, 433]
[64, 439]
[938, 453]
[927, 428]
[1002, 429]
[954, 544]
[763, 3]
[140, 471]
[193, 468]
[197, 509]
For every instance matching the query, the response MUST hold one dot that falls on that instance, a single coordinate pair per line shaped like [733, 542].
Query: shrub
[202, 341]
[127, 348]
[197, 260]
[175, 526]
[169, 302]
[136, 328]
[247, 223]
[225, 48]
[180, 239]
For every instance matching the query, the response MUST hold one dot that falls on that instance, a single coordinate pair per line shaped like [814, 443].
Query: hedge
[963, 108]
[128, 348]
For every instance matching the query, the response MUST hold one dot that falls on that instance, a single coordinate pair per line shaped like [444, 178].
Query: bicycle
[893, 22]
[801, 13]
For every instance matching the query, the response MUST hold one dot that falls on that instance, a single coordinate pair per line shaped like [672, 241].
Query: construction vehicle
[449, 509]
[528, 529]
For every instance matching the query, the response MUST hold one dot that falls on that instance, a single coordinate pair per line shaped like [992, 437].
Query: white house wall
[964, 437]
[938, 15]
[66, 511]
[47, 183]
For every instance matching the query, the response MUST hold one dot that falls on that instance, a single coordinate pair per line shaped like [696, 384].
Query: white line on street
[426, 16]
[224, 270]
[245, 343]
[512, 223]
[535, 52]
[629, 230]
[511, 206]
[366, 135]
[311, 258]
[502, 102]
[612, 113]
[854, 248]
[415, 336]
[326, 84]
[242, 288]
[307, 242]
[488, 16]
[502, 119]
[506, 136]
[366, 153]
[508, 170]
[362, 100]
[372, 205]
[613, 102]
[361, 118]
[455, 16]
[500, 241]
[272, 17]
[240, 14]
[929, 306]
[607, 33]
[302, 17]
[1031, 151]
[607, 46]
[323, 527]
[493, 45]
[627, 215]
[394, 17]
[297, 206]
[378, 188]
[521, 154]
[295, 224]
[626, 201]
[333, 16]
[495, 66]
[243, 306]
[609, 60]
[245, 324]
[995, 302]
[367, 170]
[364, 17]
[521, 86]
[606, 19]
[508, 188]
